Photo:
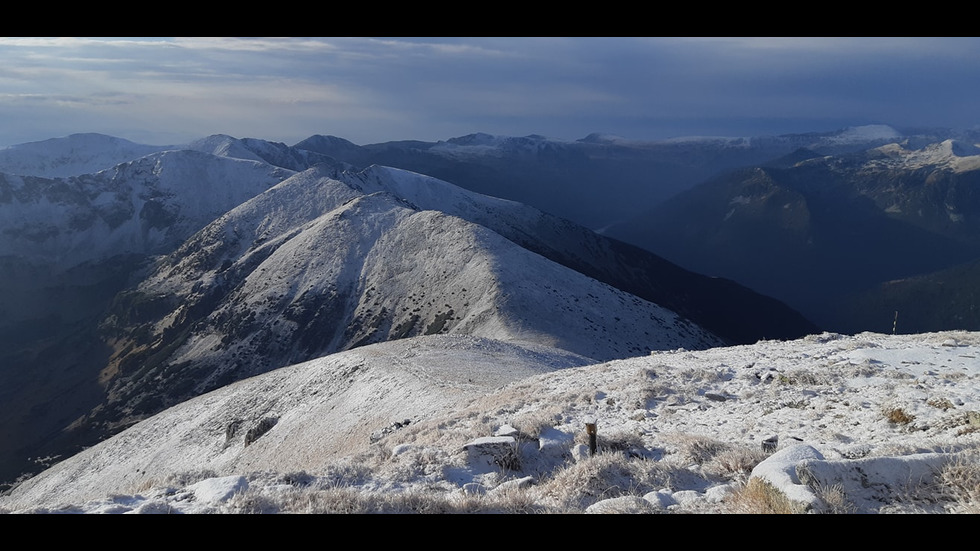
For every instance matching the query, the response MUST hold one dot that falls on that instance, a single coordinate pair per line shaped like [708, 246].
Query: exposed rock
[661, 499]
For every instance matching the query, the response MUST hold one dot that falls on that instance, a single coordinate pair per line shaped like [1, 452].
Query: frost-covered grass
[677, 431]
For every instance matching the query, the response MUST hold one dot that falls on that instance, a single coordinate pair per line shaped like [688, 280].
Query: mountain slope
[266, 286]
[591, 182]
[729, 310]
[328, 407]
[947, 299]
[68, 246]
[813, 231]
[877, 424]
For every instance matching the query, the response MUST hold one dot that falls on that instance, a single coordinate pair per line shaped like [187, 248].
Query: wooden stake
[590, 429]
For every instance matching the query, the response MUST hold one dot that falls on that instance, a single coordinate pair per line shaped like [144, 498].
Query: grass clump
[699, 449]
[960, 481]
[759, 497]
[898, 416]
[602, 476]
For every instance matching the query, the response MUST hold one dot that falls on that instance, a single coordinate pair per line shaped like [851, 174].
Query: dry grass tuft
[699, 449]
[254, 502]
[347, 500]
[532, 423]
[940, 403]
[735, 462]
[835, 500]
[759, 497]
[898, 416]
[960, 481]
[143, 486]
[803, 377]
[605, 475]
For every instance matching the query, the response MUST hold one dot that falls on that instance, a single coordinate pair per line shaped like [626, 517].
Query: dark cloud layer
[377, 89]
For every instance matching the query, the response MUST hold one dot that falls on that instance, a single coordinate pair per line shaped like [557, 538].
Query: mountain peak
[326, 139]
[478, 138]
[72, 155]
[601, 138]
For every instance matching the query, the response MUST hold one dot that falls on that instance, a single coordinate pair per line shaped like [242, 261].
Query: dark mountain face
[943, 300]
[818, 231]
[594, 181]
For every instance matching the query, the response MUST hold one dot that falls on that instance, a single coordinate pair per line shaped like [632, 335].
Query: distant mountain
[594, 182]
[598, 180]
[72, 155]
[813, 230]
[148, 205]
[274, 153]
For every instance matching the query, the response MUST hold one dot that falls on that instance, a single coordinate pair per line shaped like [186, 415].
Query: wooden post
[590, 429]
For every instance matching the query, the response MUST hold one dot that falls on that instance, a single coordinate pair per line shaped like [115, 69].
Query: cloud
[378, 89]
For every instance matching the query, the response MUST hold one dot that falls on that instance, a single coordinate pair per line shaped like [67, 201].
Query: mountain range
[153, 280]
[140, 277]
[596, 181]
[834, 236]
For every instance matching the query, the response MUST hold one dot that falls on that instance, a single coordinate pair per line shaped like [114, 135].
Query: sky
[164, 91]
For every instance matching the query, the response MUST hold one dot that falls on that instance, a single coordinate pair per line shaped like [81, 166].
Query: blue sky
[369, 90]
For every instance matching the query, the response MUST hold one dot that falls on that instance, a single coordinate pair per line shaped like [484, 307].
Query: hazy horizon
[164, 91]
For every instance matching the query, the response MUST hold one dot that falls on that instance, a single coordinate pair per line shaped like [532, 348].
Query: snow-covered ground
[863, 423]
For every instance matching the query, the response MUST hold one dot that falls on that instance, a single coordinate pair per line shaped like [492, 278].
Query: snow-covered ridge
[223, 145]
[866, 407]
[950, 154]
[725, 141]
[146, 206]
[72, 155]
[431, 193]
[373, 265]
[481, 144]
[492, 145]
